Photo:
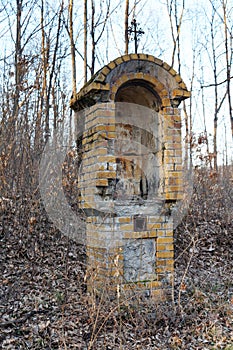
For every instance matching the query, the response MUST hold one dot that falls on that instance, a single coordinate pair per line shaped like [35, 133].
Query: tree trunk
[175, 29]
[72, 48]
[228, 65]
[53, 64]
[215, 93]
[93, 37]
[18, 65]
[126, 27]
[85, 41]
[43, 94]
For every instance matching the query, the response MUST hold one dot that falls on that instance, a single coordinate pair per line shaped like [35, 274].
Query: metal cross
[137, 33]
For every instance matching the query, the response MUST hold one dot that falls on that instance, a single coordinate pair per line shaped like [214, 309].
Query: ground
[44, 304]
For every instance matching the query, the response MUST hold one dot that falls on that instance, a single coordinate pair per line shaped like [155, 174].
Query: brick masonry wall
[115, 244]
[172, 157]
[129, 246]
[117, 253]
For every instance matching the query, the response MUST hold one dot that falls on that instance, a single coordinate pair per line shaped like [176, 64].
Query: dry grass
[44, 304]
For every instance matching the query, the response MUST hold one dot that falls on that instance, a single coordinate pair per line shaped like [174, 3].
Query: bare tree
[99, 24]
[72, 47]
[18, 62]
[85, 41]
[52, 71]
[175, 24]
[126, 26]
[229, 56]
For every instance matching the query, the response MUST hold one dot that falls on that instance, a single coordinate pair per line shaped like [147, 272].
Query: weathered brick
[124, 219]
[105, 233]
[165, 254]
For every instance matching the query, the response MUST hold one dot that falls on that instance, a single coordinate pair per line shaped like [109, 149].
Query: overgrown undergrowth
[44, 304]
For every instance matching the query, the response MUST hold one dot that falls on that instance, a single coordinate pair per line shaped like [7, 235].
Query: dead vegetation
[44, 304]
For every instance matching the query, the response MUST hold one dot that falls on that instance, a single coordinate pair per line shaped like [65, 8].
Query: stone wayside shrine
[130, 172]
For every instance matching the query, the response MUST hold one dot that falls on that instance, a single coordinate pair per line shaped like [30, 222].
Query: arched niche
[139, 92]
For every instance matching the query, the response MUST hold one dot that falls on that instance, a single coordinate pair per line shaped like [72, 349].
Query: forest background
[49, 49]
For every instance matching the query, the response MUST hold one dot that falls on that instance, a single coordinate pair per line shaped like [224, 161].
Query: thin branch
[222, 82]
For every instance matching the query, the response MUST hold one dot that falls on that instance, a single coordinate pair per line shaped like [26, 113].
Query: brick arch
[102, 74]
[150, 83]
[103, 86]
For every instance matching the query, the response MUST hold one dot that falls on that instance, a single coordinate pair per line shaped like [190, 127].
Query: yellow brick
[100, 77]
[172, 71]
[178, 153]
[161, 233]
[124, 78]
[161, 263]
[177, 143]
[105, 70]
[102, 182]
[106, 158]
[111, 135]
[179, 168]
[163, 94]
[147, 57]
[160, 87]
[114, 89]
[161, 247]
[112, 65]
[165, 247]
[166, 66]
[100, 152]
[165, 269]
[110, 127]
[124, 219]
[153, 284]
[136, 235]
[158, 295]
[166, 102]
[169, 231]
[155, 219]
[164, 240]
[168, 225]
[152, 234]
[172, 139]
[170, 196]
[139, 76]
[169, 254]
[168, 153]
[173, 181]
[186, 93]
[153, 226]
[106, 174]
[126, 58]
[158, 61]
[133, 56]
[118, 61]
[104, 119]
[170, 262]
[98, 128]
[126, 227]
[174, 188]
[178, 78]
[184, 87]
